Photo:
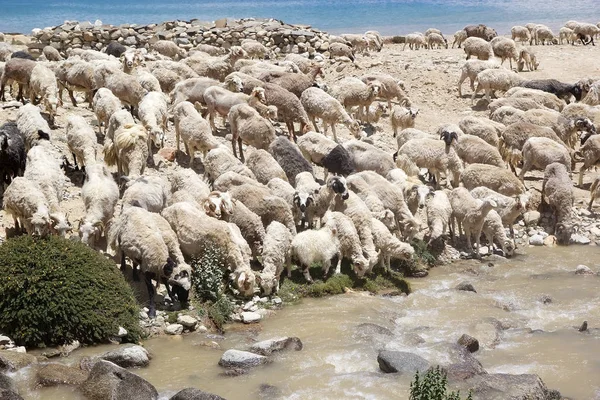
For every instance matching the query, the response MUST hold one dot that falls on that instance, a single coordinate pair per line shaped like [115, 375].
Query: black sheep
[557, 88]
[115, 49]
[22, 54]
[338, 161]
[290, 158]
[12, 152]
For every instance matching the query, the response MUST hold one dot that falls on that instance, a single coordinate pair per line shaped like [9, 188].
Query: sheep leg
[332, 130]
[151, 293]
[72, 98]
[314, 122]
[135, 275]
[338, 267]
[591, 202]
[239, 140]
[306, 274]
[211, 119]
[467, 229]
[526, 167]
[581, 171]
[477, 89]
[325, 174]
[327, 266]
[75, 161]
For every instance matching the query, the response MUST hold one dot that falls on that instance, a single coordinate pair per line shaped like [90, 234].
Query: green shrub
[432, 386]
[54, 291]
[398, 39]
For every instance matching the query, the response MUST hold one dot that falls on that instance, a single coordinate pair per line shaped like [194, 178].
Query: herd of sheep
[270, 203]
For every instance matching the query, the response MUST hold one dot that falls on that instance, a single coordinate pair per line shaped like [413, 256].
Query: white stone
[250, 317]
[543, 234]
[595, 231]
[248, 306]
[19, 349]
[536, 240]
[202, 329]
[187, 320]
[174, 329]
[4, 340]
[122, 332]
[276, 300]
[143, 315]
[583, 270]
[580, 239]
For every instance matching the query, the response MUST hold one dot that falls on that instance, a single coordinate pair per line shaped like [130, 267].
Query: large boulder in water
[128, 356]
[195, 394]
[55, 374]
[506, 386]
[241, 359]
[267, 347]
[464, 365]
[13, 361]
[400, 361]
[108, 381]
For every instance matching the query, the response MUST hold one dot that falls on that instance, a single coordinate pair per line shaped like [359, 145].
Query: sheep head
[509, 248]
[245, 282]
[448, 136]
[420, 192]
[563, 232]
[268, 283]
[40, 222]
[259, 93]
[179, 277]
[360, 265]
[339, 186]
[89, 231]
[218, 205]
[61, 223]
[235, 84]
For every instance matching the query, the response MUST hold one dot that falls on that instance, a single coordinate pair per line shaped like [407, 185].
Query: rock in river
[55, 374]
[108, 381]
[241, 359]
[195, 394]
[266, 347]
[128, 356]
[400, 361]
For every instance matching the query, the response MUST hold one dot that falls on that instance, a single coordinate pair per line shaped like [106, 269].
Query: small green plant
[54, 291]
[432, 386]
[398, 39]
[423, 252]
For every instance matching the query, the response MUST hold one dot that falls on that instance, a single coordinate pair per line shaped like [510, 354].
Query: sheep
[187, 180]
[100, 194]
[305, 189]
[32, 125]
[575, 110]
[249, 127]
[296, 83]
[514, 137]
[193, 130]
[521, 33]
[558, 190]
[341, 50]
[543, 34]
[312, 246]
[359, 186]
[115, 49]
[349, 242]
[303, 62]
[543, 98]
[592, 97]
[153, 115]
[375, 40]
[540, 152]
[374, 112]
[290, 158]
[565, 128]
[392, 197]
[436, 156]
[169, 49]
[439, 212]
[565, 34]
[505, 48]
[25, 202]
[148, 192]
[334, 187]
[368, 157]
[276, 254]
[410, 133]
[192, 90]
[403, 118]
[491, 80]
[589, 153]
[507, 115]
[123, 85]
[484, 128]
[480, 31]
[435, 39]
[359, 43]
[215, 67]
[354, 92]
[509, 208]
[105, 105]
[130, 147]
[254, 49]
[520, 103]
[17, 70]
[210, 50]
[470, 213]
[75, 75]
[148, 240]
[480, 48]
[559, 89]
[527, 57]
[459, 38]
[586, 29]
[12, 153]
[169, 73]
[315, 147]
[220, 160]
[494, 232]
[498, 179]
[221, 100]
[250, 225]
[264, 166]
[266, 206]
[42, 83]
[414, 41]
[594, 192]
[319, 104]
[390, 247]
[116, 121]
[81, 141]
[471, 68]
[338, 161]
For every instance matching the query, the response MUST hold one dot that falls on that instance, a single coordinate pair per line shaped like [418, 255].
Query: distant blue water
[336, 16]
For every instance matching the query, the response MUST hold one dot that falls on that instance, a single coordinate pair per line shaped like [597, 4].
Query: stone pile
[273, 34]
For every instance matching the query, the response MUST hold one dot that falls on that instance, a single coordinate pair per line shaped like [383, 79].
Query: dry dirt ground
[430, 78]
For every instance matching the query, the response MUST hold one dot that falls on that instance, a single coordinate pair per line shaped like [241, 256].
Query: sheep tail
[110, 152]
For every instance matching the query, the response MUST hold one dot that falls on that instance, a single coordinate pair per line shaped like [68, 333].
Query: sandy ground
[430, 78]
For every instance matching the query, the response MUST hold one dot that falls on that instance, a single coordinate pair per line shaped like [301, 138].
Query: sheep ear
[241, 279]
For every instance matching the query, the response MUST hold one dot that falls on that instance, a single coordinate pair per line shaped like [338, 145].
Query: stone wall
[274, 34]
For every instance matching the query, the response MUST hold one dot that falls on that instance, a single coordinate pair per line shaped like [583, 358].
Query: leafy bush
[54, 291]
[433, 387]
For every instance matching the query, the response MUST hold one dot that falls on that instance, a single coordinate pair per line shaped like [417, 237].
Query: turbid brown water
[338, 362]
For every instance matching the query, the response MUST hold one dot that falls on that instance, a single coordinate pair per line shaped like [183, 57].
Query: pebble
[187, 321]
[276, 300]
[202, 329]
[248, 306]
[531, 217]
[536, 240]
[579, 239]
[122, 332]
[143, 315]
[174, 329]
[583, 270]
[250, 317]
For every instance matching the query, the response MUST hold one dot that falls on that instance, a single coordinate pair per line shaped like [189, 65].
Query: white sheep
[459, 38]
[389, 246]
[349, 242]
[220, 160]
[254, 49]
[76, 75]
[51, 54]
[435, 39]
[319, 104]
[498, 179]
[491, 80]
[484, 128]
[81, 140]
[169, 49]
[25, 202]
[315, 147]
[220, 100]
[153, 115]
[389, 88]
[585, 29]
[439, 213]
[359, 186]
[193, 130]
[369, 158]
[186, 180]
[494, 232]
[215, 67]
[264, 166]
[123, 85]
[315, 246]
[341, 50]
[105, 105]
[543, 34]
[276, 254]
[471, 68]
[509, 208]
[129, 150]
[354, 92]
[100, 194]
[505, 48]
[565, 34]
[527, 57]
[415, 41]
[249, 127]
[403, 118]
[520, 33]
[557, 188]
[148, 192]
[30, 123]
[478, 47]
[411, 133]
[539, 152]
[42, 83]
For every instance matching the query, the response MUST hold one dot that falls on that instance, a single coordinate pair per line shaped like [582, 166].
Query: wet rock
[13, 361]
[488, 334]
[550, 241]
[6, 394]
[187, 321]
[174, 329]
[369, 329]
[579, 239]
[400, 361]
[250, 317]
[583, 270]
[269, 392]
[531, 218]
[241, 359]
[469, 342]
[108, 381]
[267, 347]
[7, 383]
[505, 386]
[583, 327]
[59, 374]
[128, 356]
[195, 394]
[465, 287]
[233, 372]
[463, 364]
[536, 240]
[545, 299]
[4, 340]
